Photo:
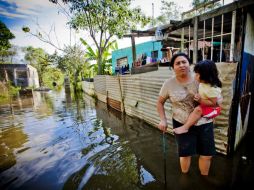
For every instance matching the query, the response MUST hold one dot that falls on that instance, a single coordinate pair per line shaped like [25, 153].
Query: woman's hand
[163, 125]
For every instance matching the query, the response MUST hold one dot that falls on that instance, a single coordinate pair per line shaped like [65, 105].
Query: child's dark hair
[208, 72]
[171, 64]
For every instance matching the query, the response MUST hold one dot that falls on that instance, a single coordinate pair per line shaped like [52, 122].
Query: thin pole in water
[164, 159]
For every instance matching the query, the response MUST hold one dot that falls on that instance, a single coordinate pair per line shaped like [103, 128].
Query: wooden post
[9, 90]
[195, 40]
[221, 37]
[15, 77]
[133, 48]
[212, 39]
[189, 42]
[203, 53]
[232, 42]
[121, 95]
[182, 40]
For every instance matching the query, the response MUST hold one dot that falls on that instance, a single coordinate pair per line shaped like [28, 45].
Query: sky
[41, 15]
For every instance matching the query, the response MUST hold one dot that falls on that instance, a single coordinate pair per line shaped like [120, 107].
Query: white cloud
[11, 15]
[30, 4]
[26, 8]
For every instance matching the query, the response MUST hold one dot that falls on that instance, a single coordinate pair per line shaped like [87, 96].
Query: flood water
[57, 141]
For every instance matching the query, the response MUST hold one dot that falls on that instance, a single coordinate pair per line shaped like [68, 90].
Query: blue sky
[18, 13]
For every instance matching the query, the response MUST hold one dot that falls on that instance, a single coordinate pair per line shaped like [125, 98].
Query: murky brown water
[54, 141]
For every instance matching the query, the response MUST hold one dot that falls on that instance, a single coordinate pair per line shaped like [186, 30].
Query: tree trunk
[6, 76]
[99, 66]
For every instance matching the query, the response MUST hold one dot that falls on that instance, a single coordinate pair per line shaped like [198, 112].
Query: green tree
[104, 19]
[199, 5]
[39, 59]
[196, 3]
[74, 63]
[169, 11]
[5, 54]
[5, 37]
[106, 61]
[52, 74]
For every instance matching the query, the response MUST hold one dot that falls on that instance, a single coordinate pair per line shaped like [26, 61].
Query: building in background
[147, 52]
[22, 75]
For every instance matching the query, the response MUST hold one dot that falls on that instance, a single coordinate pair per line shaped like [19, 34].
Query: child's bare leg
[192, 119]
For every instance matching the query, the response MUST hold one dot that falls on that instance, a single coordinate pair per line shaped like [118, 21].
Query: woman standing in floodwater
[180, 90]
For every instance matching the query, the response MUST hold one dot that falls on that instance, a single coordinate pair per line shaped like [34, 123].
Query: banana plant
[92, 54]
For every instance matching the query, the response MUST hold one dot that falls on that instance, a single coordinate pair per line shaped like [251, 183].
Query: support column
[221, 37]
[195, 40]
[212, 39]
[203, 53]
[182, 40]
[189, 43]
[232, 42]
[15, 77]
[133, 48]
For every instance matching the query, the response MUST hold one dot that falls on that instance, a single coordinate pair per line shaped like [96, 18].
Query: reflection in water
[12, 139]
[64, 142]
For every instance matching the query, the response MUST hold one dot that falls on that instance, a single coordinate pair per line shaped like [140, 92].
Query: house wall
[20, 74]
[33, 77]
[146, 47]
[246, 81]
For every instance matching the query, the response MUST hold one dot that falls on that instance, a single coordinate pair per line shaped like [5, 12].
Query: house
[147, 52]
[226, 36]
[22, 75]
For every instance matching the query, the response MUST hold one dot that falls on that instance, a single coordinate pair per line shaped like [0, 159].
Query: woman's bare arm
[161, 110]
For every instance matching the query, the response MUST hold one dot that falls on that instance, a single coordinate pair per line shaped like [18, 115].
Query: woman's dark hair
[171, 64]
[208, 72]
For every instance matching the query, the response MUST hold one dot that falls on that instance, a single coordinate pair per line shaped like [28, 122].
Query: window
[122, 61]
[21, 74]
[154, 54]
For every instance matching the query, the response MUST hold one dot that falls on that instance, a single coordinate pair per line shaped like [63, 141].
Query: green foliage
[39, 59]
[5, 54]
[26, 29]
[198, 4]
[104, 19]
[93, 55]
[169, 11]
[5, 36]
[113, 17]
[73, 63]
[53, 75]
[7, 91]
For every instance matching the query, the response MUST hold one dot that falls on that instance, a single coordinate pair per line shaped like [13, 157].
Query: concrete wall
[33, 77]
[28, 78]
